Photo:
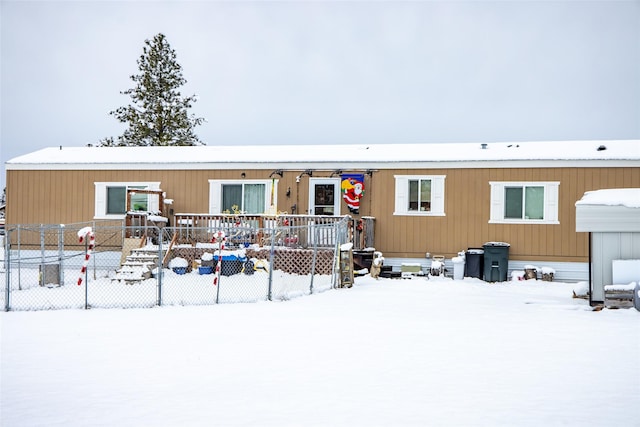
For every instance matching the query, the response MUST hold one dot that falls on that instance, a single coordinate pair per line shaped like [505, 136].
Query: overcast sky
[320, 72]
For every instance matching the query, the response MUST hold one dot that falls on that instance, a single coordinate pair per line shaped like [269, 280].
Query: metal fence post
[222, 236]
[271, 261]
[61, 254]
[7, 266]
[218, 273]
[19, 263]
[313, 258]
[159, 265]
[93, 255]
[42, 256]
[86, 276]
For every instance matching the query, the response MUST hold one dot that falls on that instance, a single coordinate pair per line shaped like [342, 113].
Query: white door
[324, 196]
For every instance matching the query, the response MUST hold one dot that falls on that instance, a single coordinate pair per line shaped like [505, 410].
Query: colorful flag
[352, 190]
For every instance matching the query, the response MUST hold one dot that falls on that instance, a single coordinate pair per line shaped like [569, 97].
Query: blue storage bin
[180, 270]
[205, 270]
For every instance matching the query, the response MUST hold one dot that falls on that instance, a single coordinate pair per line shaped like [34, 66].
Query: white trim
[215, 192]
[100, 196]
[437, 195]
[551, 194]
[322, 166]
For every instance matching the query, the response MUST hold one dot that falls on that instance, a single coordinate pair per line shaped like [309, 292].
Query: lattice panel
[296, 261]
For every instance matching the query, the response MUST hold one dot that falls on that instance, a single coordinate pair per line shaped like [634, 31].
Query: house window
[524, 202]
[246, 196]
[117, 200]
[111, 198]
[419, 195]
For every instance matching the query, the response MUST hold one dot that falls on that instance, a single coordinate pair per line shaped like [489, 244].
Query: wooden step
[141, 259]
[132, 274]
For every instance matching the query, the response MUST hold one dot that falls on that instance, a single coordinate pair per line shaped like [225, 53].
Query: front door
[324, 196]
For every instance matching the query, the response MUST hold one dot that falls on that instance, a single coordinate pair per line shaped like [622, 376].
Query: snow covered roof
[609, 210]
[530, 154]
[629, 197]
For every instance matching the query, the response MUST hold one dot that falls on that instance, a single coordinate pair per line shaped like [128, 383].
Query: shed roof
[530, 154]
[629, 197]
[615, 210]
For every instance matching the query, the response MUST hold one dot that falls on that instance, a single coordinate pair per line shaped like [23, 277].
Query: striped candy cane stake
[220, 238]
[83, 234]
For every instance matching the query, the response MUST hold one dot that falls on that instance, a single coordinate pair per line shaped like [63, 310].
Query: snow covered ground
[383, 353]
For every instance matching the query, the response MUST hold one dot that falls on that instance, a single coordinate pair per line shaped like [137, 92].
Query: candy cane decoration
[220, 238]
[83, 234]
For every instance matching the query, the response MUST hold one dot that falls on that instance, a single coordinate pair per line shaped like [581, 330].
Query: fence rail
[42, 265]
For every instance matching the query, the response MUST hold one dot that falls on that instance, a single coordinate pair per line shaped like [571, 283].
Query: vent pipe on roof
[602, 148]
[483, 146]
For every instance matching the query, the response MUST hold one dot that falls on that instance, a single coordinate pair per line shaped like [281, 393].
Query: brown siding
[467, 198]
[68, 196]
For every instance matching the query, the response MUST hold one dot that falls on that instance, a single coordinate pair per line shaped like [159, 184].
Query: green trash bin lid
[501, 244]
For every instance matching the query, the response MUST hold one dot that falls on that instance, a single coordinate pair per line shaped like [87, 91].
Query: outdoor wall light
[243, 175]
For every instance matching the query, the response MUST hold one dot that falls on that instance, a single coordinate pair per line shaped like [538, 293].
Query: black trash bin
[496, 261]
[231, 264]
[474, 259]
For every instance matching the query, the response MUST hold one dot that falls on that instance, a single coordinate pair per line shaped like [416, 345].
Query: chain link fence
[47, 266]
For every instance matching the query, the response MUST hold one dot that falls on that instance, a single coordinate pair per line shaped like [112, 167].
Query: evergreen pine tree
[158, 114]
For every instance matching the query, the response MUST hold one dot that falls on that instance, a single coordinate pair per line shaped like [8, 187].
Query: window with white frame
[524, 202]
[419, 195]
[111, 198]
[252, 196]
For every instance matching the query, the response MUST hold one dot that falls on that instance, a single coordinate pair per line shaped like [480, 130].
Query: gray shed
[612, 219]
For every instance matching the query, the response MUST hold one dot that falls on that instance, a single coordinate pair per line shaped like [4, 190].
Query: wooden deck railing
[284, 230]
